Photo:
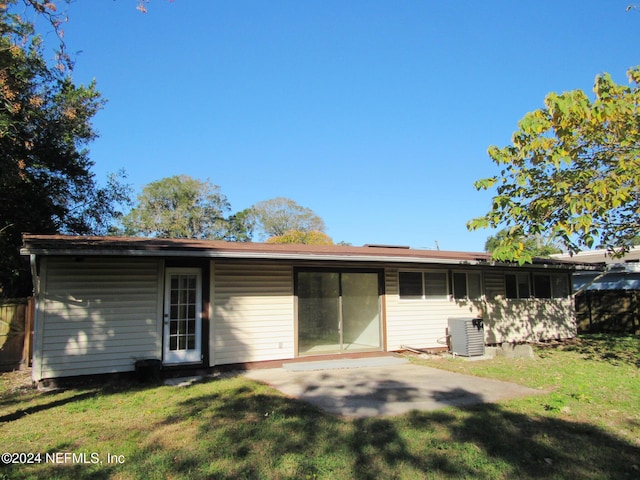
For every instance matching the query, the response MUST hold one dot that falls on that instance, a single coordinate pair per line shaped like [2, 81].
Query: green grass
[585, 424]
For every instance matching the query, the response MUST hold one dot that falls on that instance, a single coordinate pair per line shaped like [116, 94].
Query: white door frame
[176, 340]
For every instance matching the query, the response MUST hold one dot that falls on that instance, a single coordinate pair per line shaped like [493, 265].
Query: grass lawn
[586, 425]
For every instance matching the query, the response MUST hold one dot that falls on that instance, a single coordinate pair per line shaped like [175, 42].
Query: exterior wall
[253, 312]
[419, 323]
[529, 320]
[524, 320]
[96, 315]
[100, 315]
[423, 323]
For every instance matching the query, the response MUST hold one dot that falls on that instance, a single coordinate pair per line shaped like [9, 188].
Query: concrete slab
[386, 390]
[382, 361]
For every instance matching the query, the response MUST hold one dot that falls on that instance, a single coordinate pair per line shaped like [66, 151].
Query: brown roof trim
[166, 247]
[74, 245]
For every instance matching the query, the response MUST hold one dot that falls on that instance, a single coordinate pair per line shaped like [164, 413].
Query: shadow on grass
[616, 349]
[242, 429]
[55, 399]
[247, 433]
[10, 417]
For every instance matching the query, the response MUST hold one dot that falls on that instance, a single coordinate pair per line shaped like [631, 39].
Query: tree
[572, 172]
[535, 246]
[277, 216]
[179, 207]
[240, 226]
[312, 237]
[46, 184]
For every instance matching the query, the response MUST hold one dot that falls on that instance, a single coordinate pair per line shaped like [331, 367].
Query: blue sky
[375, 114]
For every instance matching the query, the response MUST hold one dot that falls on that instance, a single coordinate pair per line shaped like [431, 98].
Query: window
[410, 284]
[542, 286]
[435, 284]
[467, 285]
[550, 285]
[560, 286]
[423, 285]
[517, 285]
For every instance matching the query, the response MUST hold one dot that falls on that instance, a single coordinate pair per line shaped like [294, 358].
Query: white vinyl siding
[96, 316]
[419, 324]
[423, 324]
[527, 319]
[253, 313]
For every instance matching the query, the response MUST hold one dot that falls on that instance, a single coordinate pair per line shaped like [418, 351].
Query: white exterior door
[183, 315]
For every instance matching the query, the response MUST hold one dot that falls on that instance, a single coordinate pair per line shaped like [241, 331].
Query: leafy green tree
[572, 173]
[179, 207]
[240, 226]
[312, 237]
[277, 216]
[46, 183]
[536, 247]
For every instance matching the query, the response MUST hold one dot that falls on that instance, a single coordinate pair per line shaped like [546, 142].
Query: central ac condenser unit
[466, 336]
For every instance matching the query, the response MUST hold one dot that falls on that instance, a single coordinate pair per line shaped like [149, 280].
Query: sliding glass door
[338, 312]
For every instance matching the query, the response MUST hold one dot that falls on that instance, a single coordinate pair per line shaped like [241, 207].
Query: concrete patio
[382, 386]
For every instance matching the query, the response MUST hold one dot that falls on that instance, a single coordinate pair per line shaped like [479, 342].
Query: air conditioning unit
[466, 336]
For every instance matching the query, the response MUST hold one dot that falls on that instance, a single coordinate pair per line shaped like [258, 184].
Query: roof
[599, 256]
[165, 247]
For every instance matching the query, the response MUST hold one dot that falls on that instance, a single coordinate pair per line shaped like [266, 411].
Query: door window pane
[360, 311]
[338, 312]
[318, 312]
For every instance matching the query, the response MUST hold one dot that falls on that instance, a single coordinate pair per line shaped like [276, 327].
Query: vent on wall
[466, 336]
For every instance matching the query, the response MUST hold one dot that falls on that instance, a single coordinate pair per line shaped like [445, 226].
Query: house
[103, 303]
[607, 290]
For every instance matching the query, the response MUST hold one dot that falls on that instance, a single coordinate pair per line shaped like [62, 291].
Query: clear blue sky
[375, 114]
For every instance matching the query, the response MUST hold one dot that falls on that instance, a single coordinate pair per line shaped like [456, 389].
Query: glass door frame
[341, 270]
[173, 356]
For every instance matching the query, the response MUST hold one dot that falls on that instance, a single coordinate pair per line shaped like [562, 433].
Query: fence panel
[611, 311]
[14, 350]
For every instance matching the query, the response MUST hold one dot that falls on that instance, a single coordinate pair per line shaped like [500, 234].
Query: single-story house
[104, 303]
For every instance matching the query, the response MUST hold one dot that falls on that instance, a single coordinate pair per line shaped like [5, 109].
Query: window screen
[435, 285]
[410, 284]
[560, 286]
[459, 285]
[517, 285]
[475, 285]
[542, 286]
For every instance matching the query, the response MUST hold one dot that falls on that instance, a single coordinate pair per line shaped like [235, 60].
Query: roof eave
[217, 253]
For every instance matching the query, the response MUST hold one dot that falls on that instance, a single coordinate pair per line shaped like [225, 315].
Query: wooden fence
[16, 333]
[611, 311]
